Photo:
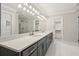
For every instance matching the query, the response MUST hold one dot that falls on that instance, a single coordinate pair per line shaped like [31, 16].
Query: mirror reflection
[20, 18]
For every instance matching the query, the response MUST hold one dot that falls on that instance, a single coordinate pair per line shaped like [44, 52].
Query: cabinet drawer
[40, 50]
[29, 50]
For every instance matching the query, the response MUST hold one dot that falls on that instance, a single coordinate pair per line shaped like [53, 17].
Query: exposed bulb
[33, 9]
[24, 8]
[30, 7]
[28, 11]
[19, 5]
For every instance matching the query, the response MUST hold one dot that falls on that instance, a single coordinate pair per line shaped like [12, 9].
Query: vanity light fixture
[30, 7]
[19, 5]
[37, 12]
[24, 8]
[33, 9]
[28, 10]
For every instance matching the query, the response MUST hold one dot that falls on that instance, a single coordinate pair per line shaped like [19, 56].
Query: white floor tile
[62, 48]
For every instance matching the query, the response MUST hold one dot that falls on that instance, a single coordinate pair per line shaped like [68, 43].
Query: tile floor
[63, 48]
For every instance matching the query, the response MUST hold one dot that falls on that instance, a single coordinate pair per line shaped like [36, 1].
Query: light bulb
[30, 7]
[19, 5]
[33, 9]
[24, 8]
[28, 11]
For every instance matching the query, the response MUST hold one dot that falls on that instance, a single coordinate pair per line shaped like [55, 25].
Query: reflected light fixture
[19, 5]
[28, 11]
[30, 7]
[24, 8]
[33, 9]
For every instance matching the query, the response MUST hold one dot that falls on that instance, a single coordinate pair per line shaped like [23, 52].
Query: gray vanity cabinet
[49, 39]
[34, 53]
[45, 46]
[39, 48]
[42, 46]
[30, 50]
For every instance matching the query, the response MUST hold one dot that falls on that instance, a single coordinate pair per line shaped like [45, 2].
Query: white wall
[14, 17]
[70, 25]
[50, 24]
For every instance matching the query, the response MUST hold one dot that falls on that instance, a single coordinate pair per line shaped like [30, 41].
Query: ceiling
[49, 9]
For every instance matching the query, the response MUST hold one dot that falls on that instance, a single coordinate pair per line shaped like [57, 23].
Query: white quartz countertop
[21, 43]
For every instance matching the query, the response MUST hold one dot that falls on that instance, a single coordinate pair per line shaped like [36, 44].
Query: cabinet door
[29, 50]
[40, 50]
[44, 47]
[47, 43]
[34, 53]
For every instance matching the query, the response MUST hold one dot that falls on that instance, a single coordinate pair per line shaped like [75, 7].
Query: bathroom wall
[70, 29]
[14, 17]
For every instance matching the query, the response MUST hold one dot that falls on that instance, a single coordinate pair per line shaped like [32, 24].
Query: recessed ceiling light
[24, 8]
[19, 5]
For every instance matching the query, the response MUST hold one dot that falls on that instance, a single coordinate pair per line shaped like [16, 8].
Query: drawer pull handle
[32, 50]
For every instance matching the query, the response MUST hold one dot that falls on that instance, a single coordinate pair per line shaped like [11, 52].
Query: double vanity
[29, 45]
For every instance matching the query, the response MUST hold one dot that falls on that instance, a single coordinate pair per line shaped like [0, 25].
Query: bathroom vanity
[33, 45]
